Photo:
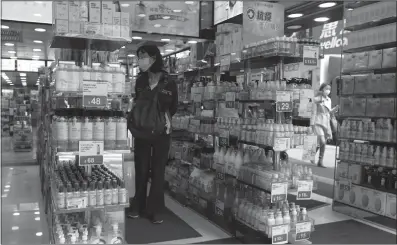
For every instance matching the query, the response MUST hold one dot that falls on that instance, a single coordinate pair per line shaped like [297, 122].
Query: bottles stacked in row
[78, 190]
[191, 153]
[286, 46]
[67, 132]
[295, 172]
[258, 175]
[210, 90]
[368, 154]
[69, 78]
[73, 227]
[380, 178]
[381, 130]
[202, 180]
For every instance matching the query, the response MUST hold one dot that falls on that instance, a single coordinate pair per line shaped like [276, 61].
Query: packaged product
[377, 202]
[391, 206]
[389, 57]
[375, 83]
[359, 105]
[361, 84]
[361, 61]
[373, 107]
[348, 62]
[346, 107]
[354, 173]
[375, 59]
[386, 107]
[389, 82]
[347, 85]
[354, 196]
[364, 197]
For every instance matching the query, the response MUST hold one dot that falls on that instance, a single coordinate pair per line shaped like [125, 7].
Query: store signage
[281, 144]
[310, 55]
[261, 21]
[224, 10]
[283, 101]
[90, 153]
[280, 234]
[303, 231]
[223, 137]
[76, 203]
[279, 192]
[219, 207]
[95, 94]
[11, 35]
[161, 17]
[309, 147]
[7, 64]
[305, 189]
[230, 99]
[331, 37]
[29, 65]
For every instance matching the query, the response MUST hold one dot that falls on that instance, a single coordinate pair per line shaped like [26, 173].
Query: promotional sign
[283, 101]
[95, 94]
[305, 189]
[224, 10]
[166, 17]
[280, 234]
[309, 147]
[90, 153]
[310, 55]
[282, 144]
[11, 35]
[305, 102]
[261, 21]
[331, 37]
[303, 231]
[279, 192]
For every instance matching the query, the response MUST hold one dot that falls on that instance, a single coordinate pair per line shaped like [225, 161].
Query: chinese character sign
[262, 20]
[331, 36]
[168, 17]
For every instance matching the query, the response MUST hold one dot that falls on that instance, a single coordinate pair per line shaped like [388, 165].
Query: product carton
[347, 85]
[343, 170]
[355, 173]
[375, 59]
[363, 198]
[387, 107]
[94, 12]
[359, 105]
[348, 62]
[75, 27]
[361, 61]
[361, 84]
[61, 10]
[125, 31]
[107, 9]
[346, 106]
[92, 28]
[61, 26]
[84, 11]
[389, 58]
[373, 107]
[391, 206]
[389, 82]
[125, 19]
[377, 202]
[354, 196]
[74, 11]
[116, 24]
[375, 83]
[342, 192]
[107, 30]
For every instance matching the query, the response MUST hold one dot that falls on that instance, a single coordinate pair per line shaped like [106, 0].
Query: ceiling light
[327, 5]
[294, 27]
[125, 5]
[162, 53]
[37, 15]
[16, 214]
[37, 218]
[4, 27]
[22, 74]
[136, 38]
[39, 233]
[130, 55]
[192, 42]
[12, 85]
[39, 30]
[321, 19]
[23, 83]
[157, 25]
[36, 50]
[9, 44]
[297, 15]
[7, 186]
[123, 47]
[169, 50]
[14, 228]
[6, 190]
[37, 41]
[165, 39]
[177, 10]
[38, 2]
[13, 57]
[141, 15]
[349, 9]
[189, 2]
[166, 17]
[11, 52]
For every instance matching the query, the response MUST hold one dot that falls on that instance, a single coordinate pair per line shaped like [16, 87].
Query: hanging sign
[90, 153]
[309, 147]
[282, 144]
[283, 101]
[279, 192]
[280, 234]
[262, 21]
[95, 94]
[310, 55]
[305, 189]
[230, 99]
[303, 231]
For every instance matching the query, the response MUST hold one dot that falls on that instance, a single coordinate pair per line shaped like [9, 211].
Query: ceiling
[31, 79]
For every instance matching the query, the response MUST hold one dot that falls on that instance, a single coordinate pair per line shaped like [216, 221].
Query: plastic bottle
[87, 129]
[69, 194]
[110, 133]
[287, 219]
[92, 195]
[84, 239]
[270, 223]
[62, 240]
[122, 193]
[107, 194]
[76, 193]
[74, 133]
[108, 78]
[61, 83]
[84, 194]
[100, 194]
[61, 197]
[98, 129]
[62, 132]
[115, 192]
[121, 133]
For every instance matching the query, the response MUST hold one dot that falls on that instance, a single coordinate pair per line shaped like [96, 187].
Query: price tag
[230, 99]
[220, 172]
[196, 162]
[279, 192]
[223, 137]
[303, 231]
[90, 153]
[282, 144]
[310, 55]
[283, 101]
[344, 185]
[95, 94]
[305, 188]
[280, 234]
[219, 207]
[75, 203]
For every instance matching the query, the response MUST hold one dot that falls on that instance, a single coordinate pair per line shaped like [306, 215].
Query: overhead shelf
[82, 42]
[374, 71]
[371, 47]
[371, 24]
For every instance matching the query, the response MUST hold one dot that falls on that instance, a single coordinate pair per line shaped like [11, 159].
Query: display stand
[366, 173]
[82, 143]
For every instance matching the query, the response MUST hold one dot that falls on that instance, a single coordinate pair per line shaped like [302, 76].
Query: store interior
[240, 168]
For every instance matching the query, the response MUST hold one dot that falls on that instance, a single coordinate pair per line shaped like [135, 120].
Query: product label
[98, 130]
[99, 198]
[92, 198]
[75, 203]
[280, 234]
[279, 192]
[283, 101]
[90, 153]
[86, 130]
[310, 55]
[219, 207]
[74, 130]
[95, 94]
[303, 231]
[115, 196]
[309, 147]
[282, 144]
[305, 188]
[108, 197]
[110, 129]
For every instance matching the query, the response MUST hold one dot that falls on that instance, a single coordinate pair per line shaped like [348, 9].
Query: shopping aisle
[23, 158]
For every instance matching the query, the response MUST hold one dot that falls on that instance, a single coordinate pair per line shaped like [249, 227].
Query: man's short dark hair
[152, 51]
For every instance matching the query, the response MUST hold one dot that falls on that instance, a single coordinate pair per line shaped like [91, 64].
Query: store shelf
[76, 153]
[372, 24]
[76, 41]
[252, 185]
[364, 117]
[365, 164]
[371, 141]
[391, 94]
[108, 208]
[255, 144]
[256, 101]
[369, 48]
[370, 71]
[358, 4]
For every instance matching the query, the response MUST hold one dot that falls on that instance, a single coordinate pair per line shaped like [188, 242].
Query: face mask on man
[144, 64]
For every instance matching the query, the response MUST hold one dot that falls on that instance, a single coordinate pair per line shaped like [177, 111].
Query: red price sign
[283, 101]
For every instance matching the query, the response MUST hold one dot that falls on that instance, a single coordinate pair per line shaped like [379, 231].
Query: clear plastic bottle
[115, 192]
[61, 78]
[61, 197]
[122, 193]
[99, 194]
[87, 129]
[110, 133]
[62, 132]
[121, 133]
[92, 195]
[74, 131]
[98, 129]
[107, 194]
[270, 223]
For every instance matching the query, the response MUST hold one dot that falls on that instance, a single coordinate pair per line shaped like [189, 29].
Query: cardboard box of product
[74, 11]
[343, 170]
[354, 196]
[75, 27]
[107, 9]
[341, 192]
[125, 19]
[355, 173]
[389, 58]
[391, 206]
[61, 10]
[94, 14]
[92, 28]
[361, 85]
[348, 62]
[359, 106]
[389, 82]
[116, 24]
[363, 196]
[84, 11]
[375, 59]
[377, 202]
[375, 83]
[61, 26]
[107, 30]
[347, 85]
[125, 31]
[387, 107]
[373, 107]
[361, 61]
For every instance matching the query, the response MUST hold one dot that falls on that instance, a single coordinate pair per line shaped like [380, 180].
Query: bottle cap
[99, 185]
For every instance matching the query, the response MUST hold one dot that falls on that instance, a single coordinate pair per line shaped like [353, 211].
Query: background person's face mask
[327, 92]
[144, 64]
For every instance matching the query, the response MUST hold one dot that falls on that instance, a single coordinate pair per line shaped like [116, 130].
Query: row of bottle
[69, 77]
[69, 131]
[210, 90]
[381, 130]
[203, 180]
[380, 178]
[295, 172]
[368, 154]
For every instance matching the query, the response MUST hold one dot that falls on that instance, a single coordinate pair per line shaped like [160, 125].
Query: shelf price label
[283, 101]
[310, 55]
[282, 144]
[223, 137]
[95, 94]
[76, 203]
[280, 234]
[279, 192]
[230, 99]
[303, 231]
[305, 189]
[219, 207]
[90, 153]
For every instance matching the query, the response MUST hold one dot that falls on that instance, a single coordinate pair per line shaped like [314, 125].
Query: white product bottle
[74, 131]
[122, 193]
[110, 133]
[98, 129]
[270, 223]
[86, 129]
[108, 78]
[287, 219]
[61, 82]
[121, 132]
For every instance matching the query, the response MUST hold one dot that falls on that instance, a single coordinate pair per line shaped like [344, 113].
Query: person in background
[322, 119]
[154, 90]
